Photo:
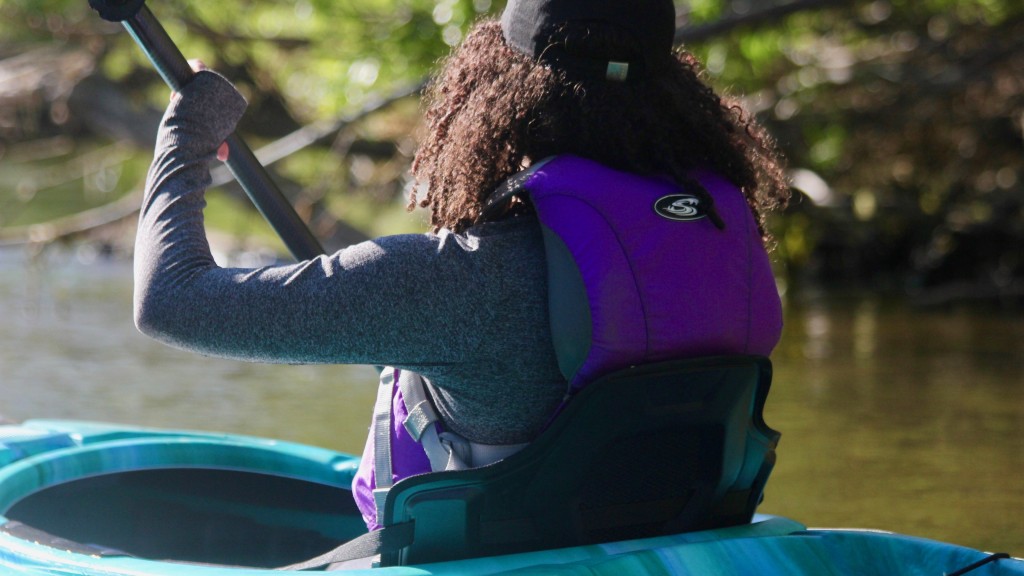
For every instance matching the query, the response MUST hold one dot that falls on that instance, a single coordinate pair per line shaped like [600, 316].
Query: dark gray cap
[528, 25]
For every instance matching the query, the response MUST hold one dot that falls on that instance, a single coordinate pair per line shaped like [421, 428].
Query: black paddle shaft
[177, 72]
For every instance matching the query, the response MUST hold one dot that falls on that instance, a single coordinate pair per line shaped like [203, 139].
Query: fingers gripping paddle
[177, 72]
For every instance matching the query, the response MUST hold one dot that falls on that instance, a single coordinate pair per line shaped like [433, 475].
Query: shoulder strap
[510, 187]
[382, 436]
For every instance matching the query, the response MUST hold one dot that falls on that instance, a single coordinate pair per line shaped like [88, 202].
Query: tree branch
[73, 225]
[318, 132]
[761, 17]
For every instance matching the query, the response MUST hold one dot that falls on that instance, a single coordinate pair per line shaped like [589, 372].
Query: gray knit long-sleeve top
[468, 311]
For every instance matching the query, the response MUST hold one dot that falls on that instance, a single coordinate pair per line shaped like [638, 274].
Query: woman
[465, 308]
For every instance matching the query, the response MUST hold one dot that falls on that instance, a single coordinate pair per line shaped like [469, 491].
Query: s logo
[680, 207]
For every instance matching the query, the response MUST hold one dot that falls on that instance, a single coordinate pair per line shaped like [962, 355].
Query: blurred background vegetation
[902, 121]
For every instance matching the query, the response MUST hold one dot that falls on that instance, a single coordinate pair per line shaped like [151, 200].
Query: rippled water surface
[69, 349]
[892, 418]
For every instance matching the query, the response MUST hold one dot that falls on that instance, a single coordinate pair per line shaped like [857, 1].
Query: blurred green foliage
[907, 113]
[324, 57]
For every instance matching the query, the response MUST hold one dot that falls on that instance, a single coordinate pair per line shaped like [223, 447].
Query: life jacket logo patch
[680, 207]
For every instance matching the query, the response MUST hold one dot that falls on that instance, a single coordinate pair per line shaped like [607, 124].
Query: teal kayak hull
[98, 499]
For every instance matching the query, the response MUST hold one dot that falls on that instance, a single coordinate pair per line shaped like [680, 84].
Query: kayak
[102, 499]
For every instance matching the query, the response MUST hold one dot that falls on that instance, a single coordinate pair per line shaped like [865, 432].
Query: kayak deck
[98, 499]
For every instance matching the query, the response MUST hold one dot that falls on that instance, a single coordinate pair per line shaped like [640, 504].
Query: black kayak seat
[651, 450]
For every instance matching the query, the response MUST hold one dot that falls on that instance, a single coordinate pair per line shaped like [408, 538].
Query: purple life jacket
[638, 272]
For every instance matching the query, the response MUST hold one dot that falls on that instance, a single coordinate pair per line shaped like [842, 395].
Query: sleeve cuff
[205, 111]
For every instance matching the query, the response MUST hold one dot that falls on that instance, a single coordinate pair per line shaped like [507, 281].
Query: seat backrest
[646, 451]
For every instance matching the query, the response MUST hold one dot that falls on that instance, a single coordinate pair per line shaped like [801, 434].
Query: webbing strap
[421, 411]
[438, 454]
[510, 187]
[422, 420]
[382, 468]
[445, 449]
[386, 540]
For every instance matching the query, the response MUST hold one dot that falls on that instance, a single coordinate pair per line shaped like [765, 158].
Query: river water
[892, 418]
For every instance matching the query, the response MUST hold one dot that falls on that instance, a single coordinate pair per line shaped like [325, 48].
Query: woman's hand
[199, 66]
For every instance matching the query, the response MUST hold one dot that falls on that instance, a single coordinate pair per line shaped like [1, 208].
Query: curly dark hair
[491, 109]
